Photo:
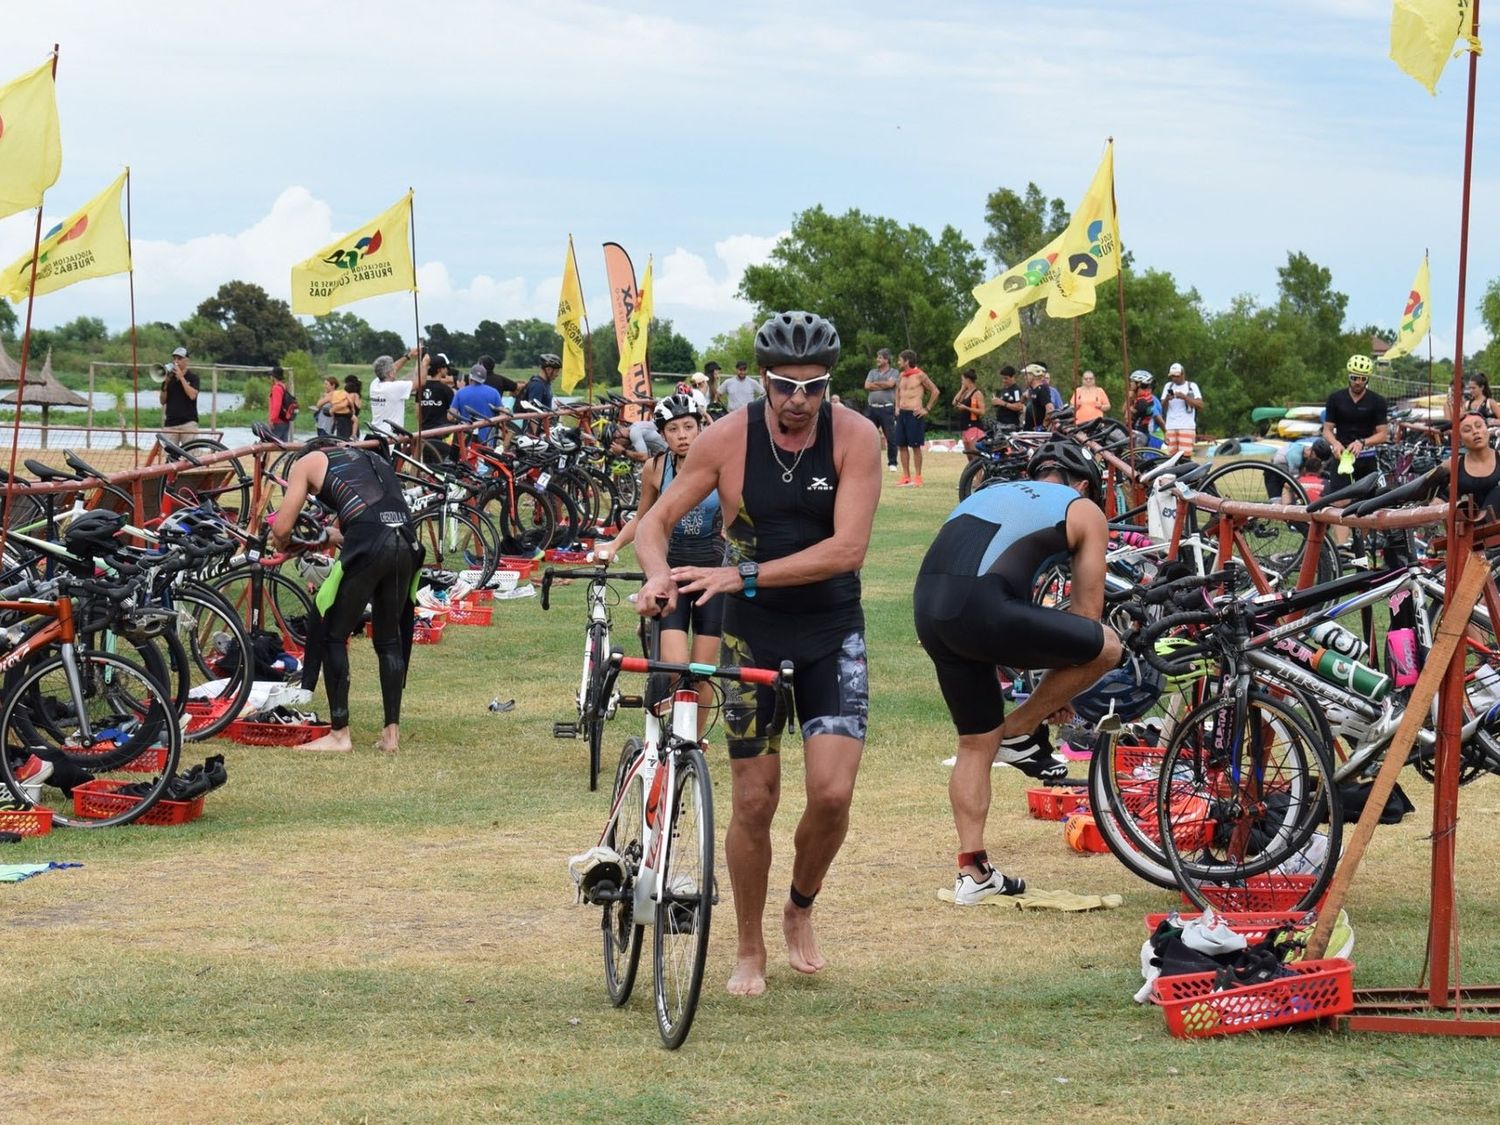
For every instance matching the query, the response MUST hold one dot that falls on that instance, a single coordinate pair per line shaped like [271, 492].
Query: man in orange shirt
[1089, 400]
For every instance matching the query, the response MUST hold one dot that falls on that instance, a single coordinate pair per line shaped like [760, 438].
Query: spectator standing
[969, 403]
[335, 400]
[354, 387]
[179, 396]
[916, 395]
[1089, 400]
[389, 392]
[493, 378]
[1053, 393]
[477, 400]
[1038, 397]
[880, 387]
[281, 406]
[698, 392]
[1145, 411]
[743, 390]
[435, 400]
[1181, 402]
[1009, 401]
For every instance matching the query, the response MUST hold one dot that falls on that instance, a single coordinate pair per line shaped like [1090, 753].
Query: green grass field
[352, 938]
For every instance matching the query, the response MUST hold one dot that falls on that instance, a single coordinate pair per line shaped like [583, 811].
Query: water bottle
[1401, 659]
[1484, 689]
[1335, 638]
[1359, 678]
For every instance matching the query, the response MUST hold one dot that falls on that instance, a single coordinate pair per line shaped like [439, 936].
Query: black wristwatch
[749, 569]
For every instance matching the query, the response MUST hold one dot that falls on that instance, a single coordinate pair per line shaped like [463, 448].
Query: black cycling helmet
[1071, 459]
[673, 407]
[797, 337]
[549, 360]
[93, 533]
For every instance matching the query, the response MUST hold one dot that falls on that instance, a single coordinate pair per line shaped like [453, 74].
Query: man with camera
[179, 396]
[1180, 403]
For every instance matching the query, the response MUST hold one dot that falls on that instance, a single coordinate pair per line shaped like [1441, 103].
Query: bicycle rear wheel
[1219, 828]
[680, 944]
[622, 933]
[112, 778]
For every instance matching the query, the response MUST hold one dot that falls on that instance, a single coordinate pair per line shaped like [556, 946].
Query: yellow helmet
[1360, 365]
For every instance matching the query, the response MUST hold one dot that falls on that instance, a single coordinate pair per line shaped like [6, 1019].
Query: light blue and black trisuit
[695, 541]
[972, 601]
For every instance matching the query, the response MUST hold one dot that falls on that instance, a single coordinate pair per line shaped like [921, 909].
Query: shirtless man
[911, 434]
[798, 479]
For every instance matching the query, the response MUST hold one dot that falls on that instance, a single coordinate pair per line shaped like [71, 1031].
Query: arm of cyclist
[857, 453]
[1088, 538]
[305, 478]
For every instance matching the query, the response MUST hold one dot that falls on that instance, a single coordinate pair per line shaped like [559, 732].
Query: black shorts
[705, 620]
[911, 432]
[831, 693]
[967, 632]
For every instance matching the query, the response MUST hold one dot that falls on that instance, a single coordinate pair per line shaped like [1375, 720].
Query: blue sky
[695, 132]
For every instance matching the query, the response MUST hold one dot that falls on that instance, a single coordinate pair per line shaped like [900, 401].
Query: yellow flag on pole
[372, 260]
[986, 331]
[89, 243]
[30, 140]
[1423, 33]
[570, 316]
[1023, 283]
[1090, 250]
[1416, 318]
[638, 329]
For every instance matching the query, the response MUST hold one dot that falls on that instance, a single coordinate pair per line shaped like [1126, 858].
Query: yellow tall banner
[89, 243]
[1416, 318]
[985, 332]
[30, 140]
[1423, 33]
[372, 260]
[1090, 249]
[570, 317]
[639, 328]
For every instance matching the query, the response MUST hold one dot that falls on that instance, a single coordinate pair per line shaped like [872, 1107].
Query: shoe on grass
[1032, 755]
[969, 891]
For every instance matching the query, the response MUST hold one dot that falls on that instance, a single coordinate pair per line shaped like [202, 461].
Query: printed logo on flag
[350, 259]
[1101, 245]
[1414, 304]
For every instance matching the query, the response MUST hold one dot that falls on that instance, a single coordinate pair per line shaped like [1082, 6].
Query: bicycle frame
[61, 633]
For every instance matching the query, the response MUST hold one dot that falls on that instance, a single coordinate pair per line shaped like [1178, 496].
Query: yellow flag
[89, 243]
[639, 327]
[1090, 250]
[1416, 319]
[30, 140]
[570, 315]
[1023, 283]
[372, 260]
[1423, 33]
[988, 329]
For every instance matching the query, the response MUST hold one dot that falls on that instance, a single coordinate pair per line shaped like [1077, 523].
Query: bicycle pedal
[631, 701]
[564, 730]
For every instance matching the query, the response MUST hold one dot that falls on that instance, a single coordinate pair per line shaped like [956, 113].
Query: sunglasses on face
[1359, 378]
[812, 388]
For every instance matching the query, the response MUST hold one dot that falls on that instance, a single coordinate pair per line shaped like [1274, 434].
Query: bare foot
[749, 976]
[801, 943]
[336, 741]
[389, 741]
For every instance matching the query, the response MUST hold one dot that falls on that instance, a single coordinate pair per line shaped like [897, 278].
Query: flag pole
[1456, 405]
[1442, 930]
[411, 226]
[135, 363]
[1120, 280]
[15, 432]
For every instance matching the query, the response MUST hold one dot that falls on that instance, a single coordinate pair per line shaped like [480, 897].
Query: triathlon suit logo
[349, 259]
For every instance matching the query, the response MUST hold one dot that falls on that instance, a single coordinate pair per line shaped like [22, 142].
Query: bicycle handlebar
[1144, 642]
[1157, 595]
[771, 678]
[593, 574]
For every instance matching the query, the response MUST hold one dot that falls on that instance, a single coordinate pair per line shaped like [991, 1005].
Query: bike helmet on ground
[674, 407]
[1141, 377]
[1360, 365]
[1131, 691]
[547, 359]
[797, 337]
[1070, 458]
[93, 533]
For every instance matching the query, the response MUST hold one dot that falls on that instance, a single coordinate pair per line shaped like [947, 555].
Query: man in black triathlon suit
[378, 556]
[799, 480]
[974, 611]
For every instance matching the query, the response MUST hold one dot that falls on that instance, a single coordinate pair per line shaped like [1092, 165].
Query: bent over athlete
[973, 611]
[802, 478]
[377, 560]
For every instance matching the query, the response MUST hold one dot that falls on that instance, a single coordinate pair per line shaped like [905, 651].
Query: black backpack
[289, 406]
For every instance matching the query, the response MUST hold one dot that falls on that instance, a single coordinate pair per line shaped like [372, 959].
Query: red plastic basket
[153, 759]
[520, 564]
[1055, 802]
[26, 822]
[202, 712]
[1315, 990]
[566, 557]
[97, 799]
[476, 598]
[429, 633]
[1252, 926]
[274, 734]
[1260, 893]
[465, 614]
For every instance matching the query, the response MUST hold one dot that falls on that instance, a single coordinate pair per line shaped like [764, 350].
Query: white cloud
[686, 280]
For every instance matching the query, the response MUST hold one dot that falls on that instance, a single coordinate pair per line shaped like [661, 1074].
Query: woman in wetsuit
[378, 557]
[696, 541]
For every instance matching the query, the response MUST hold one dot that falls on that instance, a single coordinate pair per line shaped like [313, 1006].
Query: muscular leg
[916, 454]
[386, 604]
[969, 791]
[705, 651]
[1060, 685]
[832, 765]
[905, 462]
[747, 849]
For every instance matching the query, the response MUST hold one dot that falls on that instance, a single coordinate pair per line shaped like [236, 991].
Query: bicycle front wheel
[679, 949]
[593, 703]
[622, 933]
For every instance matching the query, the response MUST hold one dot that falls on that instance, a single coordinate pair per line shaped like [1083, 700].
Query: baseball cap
[1175, 369]
[1033, 369]
[699, 377]
[742, 366]
[178, 352]
[710, 367]
[477, 373]
[437, 361]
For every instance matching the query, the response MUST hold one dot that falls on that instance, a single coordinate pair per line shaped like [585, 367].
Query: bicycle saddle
[82, 466]
[47, 472]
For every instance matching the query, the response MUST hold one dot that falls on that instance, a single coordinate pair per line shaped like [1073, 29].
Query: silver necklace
[788, 473]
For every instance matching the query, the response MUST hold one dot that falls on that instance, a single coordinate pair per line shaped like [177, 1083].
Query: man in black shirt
[502, 383]
[433, 402]
[179, 396]
[1038, 398]
[1009, 401]
[1354, 420]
